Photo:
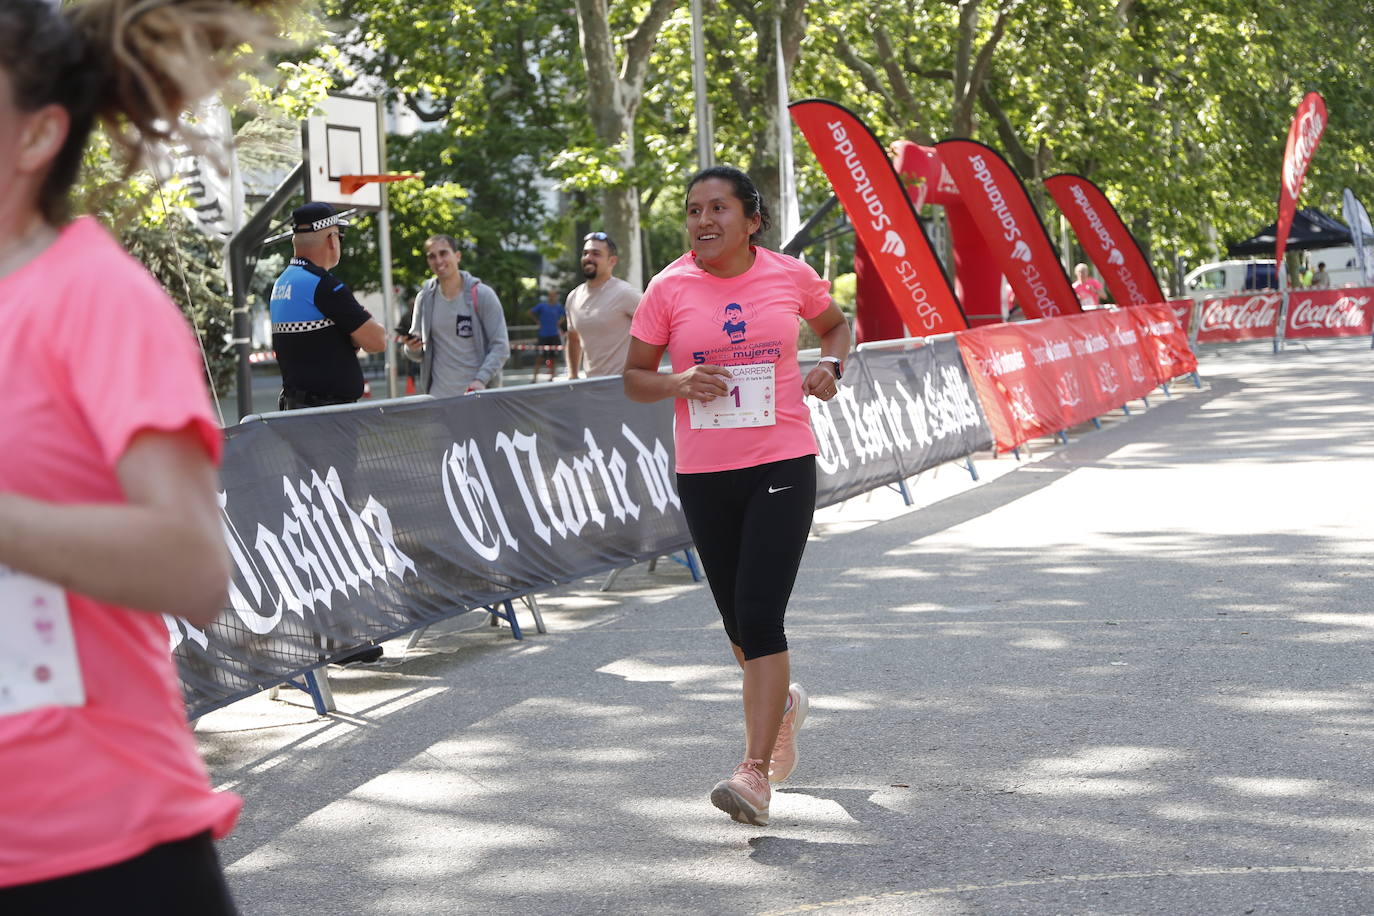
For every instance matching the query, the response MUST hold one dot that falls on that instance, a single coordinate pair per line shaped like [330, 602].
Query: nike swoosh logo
[777, 489]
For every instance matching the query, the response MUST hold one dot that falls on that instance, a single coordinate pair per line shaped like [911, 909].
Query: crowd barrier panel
[1042, 377]
[1301, 314]
[351, 525]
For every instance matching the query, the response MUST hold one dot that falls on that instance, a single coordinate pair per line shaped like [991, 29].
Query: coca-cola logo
[1241, 314]
[1307, 133]
[1345, 312]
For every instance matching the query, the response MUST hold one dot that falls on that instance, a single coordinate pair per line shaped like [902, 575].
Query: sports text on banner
[999, 205]
[1109, 244]
[872, 194]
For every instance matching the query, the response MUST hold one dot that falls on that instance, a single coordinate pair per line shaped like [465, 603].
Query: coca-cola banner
[1008, 221]
[1036, 378]
[1309, 121]
[884, 221]
[1105, 238]
[1253, 316]
[350, 527]
[1164, 337]
[1330, 313]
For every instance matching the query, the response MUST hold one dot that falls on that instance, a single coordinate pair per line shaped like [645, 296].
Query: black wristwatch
[835, 364]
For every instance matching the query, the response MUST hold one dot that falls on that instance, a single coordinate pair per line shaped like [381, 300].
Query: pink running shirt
[93, 352]
[752, 318]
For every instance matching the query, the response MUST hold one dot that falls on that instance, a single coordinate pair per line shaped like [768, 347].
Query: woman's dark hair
[133, 64]
[745, 191]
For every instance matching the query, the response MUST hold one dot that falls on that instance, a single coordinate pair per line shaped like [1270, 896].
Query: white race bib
[750, 401]
[38, 664]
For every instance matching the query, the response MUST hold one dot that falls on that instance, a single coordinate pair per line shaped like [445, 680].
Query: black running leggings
[750, 527]
[173, 879]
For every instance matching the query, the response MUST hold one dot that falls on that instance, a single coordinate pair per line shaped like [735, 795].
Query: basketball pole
[384, 250]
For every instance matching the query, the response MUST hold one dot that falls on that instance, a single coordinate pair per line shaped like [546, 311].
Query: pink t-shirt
[1089, 292]
[752, 318]
[91, 353]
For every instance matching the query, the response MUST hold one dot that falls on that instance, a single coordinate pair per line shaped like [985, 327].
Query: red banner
[1254, 316]
[1330, 313]
[1184, 309]
[1164, 338]
[1036, 378]
[1105, 238]
[1303, 136]
[1007, 219]
[870, 191]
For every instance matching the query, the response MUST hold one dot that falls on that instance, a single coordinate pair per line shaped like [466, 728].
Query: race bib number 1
[749, 401]
[38, 664]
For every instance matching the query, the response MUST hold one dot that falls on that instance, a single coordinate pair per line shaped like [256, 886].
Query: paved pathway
[1131, 675]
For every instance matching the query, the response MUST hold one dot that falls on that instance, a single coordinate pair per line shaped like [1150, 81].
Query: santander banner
[1035, 378]
[1330, 313]
[1006, 218]
[1303, 136]
[872, 194]
[1105, 238]
[1250, 317]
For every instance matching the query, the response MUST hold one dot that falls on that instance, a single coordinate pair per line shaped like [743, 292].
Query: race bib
[748, 402]
[38, 664]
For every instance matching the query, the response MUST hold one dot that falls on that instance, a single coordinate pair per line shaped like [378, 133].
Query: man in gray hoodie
[458, 329]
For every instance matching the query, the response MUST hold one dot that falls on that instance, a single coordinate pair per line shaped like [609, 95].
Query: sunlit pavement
[1127, 675]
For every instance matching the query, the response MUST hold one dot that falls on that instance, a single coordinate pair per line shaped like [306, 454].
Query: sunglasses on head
[595, 237]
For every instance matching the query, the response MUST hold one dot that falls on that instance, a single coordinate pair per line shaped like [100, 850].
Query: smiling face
[597, 260]
[718, 228]
[442, 259]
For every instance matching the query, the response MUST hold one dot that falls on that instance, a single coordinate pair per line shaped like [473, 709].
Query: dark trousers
[174, 879]
[291, 399]
[750, 527]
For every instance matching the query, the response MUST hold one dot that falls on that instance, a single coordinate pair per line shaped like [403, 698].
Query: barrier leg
[906, 494]
[1165, 387]
[1097, 424]
[415, 637]
[610, 579]
[971, 467]
[1146, 402]
[533, 605]
[1197, 382]
[505, 611]
[1063, 436]
[315, 683]
[1126, 409]
[689, 560]
[653, 564]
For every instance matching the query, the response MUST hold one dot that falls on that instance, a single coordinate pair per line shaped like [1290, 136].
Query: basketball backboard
[343, 141]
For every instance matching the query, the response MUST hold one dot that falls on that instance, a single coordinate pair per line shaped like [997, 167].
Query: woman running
[728, 312]
[108, 485]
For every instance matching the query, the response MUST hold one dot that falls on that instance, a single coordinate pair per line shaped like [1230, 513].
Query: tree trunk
[613, 97]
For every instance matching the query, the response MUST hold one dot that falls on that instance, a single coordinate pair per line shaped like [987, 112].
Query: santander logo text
[1115, 257]
[1021, 251]
[879, 220]
[1308, 133]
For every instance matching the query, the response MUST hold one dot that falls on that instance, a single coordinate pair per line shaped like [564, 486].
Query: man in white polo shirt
[599, 312]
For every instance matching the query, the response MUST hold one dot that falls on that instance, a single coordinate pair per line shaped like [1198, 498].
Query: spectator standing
[317, 325]
[727, 312]
[1321, 279]
[458, 328]
[550, 316]
[599, 312]
[108, 485]
[1087, 287]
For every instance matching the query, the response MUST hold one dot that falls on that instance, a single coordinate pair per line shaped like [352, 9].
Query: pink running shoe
[744, 796]
[785, 750]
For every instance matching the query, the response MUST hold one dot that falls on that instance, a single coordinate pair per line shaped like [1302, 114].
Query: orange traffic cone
[410, 384]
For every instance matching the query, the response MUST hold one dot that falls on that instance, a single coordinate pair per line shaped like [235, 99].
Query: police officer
[317, 325]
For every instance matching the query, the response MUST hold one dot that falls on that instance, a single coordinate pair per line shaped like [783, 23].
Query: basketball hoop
[349, 184]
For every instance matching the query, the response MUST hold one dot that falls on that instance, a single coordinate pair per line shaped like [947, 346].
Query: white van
[1221, 278]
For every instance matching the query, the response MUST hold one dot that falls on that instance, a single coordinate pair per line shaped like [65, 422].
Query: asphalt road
[1127, 675]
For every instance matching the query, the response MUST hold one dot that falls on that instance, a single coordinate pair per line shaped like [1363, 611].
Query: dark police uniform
[313, 316]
